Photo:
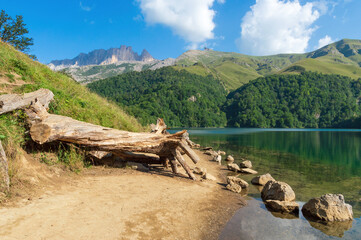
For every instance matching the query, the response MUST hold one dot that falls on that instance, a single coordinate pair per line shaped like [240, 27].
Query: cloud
[192, 20]
[324, 41]
[84, 7]
[277, 26]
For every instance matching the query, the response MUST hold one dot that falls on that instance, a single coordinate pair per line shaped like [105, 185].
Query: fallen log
[11, 102]
[4, 171]
[160, 127]
[47, 127]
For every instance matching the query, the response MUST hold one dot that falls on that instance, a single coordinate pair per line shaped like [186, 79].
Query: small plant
[11, 77]
[71, 156]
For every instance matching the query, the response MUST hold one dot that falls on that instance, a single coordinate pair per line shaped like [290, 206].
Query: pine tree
[13, 31]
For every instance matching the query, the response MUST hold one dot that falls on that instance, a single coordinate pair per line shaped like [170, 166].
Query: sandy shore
[110, 203]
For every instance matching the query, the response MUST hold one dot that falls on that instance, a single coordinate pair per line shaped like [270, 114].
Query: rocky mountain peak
[103, 57]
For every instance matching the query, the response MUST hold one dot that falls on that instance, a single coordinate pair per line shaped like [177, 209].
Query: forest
[182, 99]
[306, 100]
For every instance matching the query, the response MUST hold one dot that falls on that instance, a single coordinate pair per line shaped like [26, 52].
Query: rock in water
[283, 206]
[278, 191]
[329, 208]
[234, 187]
[233, 167]
[262, 179]
[246, 164]
[248, 171]
[236, 180]
[230, 158]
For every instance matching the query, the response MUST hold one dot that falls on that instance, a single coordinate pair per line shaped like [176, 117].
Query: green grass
[327, 67]
[70, 99]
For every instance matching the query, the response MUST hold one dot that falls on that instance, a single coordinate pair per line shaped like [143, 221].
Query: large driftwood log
[4, 171]
[160, 127]
[11, 102]
[47, 127]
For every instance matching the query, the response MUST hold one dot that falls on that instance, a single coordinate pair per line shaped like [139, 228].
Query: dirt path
[124, 204]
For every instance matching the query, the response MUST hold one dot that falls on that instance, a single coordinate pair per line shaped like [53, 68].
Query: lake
[312, 161]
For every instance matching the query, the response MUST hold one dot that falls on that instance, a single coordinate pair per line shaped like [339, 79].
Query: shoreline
[118, 203]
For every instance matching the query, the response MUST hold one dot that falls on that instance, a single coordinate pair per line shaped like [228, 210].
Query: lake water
[312, 162]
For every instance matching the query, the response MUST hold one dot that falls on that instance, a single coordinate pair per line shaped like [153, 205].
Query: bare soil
[115, 203]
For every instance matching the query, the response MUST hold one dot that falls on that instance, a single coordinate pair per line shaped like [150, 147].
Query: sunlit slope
[20, 74]
[234, 69]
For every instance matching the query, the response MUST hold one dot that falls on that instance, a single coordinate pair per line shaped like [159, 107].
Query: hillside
[20, 74]
[307, 100]
[181, 98]
[234, 69]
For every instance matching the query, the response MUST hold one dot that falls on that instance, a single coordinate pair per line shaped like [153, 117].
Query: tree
[13, 31]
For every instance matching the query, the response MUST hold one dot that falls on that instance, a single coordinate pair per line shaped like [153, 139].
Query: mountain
[235, 69]
[103, 57]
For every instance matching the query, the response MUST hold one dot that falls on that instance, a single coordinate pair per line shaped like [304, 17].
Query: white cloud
[84, 8]
[190, 19]
[277, 26]
[324, 41]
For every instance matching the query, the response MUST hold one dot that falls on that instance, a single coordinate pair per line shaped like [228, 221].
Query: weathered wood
[173, 164]
[4, 171]
[185, 165]
[185, 147]
[160, 127]
[11, 102]
[47, 127]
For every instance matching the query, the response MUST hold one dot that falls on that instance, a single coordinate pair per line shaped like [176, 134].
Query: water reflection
[255, 222]
[312, 162]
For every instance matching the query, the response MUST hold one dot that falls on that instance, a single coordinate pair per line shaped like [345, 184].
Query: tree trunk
[4, 171]
[47, 127]
[11, 102]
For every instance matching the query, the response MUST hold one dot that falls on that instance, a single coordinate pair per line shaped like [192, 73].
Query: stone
[221, 153]
[200, 171]
[208, 176]
[328, 208]
[218, 158]
[282, 206]
[237, 180]
[262, 179]
[230, 158]
[233, 167]
[211, 153]
[278, 191]
[248, 171]
[246, 164]
[234, 187]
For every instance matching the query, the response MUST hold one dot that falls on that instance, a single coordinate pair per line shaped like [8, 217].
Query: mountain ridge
[103, 57]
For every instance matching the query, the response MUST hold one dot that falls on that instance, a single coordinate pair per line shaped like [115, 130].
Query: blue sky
[167, 28]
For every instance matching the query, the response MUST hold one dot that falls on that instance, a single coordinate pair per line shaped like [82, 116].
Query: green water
[312, 162]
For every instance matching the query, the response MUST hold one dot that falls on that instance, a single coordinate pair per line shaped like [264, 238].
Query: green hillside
[20, 74]
[181, 98]
[306, 100]
[234, 69]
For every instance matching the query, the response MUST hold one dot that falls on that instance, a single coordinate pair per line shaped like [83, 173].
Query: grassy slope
[234, 69]
[71, 99]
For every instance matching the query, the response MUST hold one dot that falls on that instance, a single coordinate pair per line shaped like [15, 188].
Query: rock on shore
[262, 179]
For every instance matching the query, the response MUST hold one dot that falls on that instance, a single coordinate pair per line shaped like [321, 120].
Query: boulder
[230, 158]
[211, 153]
[221, 153]
[234, 187]
[200, 171]
[278, 191]
[236, 180]
[262, 179]
[248, 171]
[208, 176]
[233, 167]
[246, 164]
[217, 158]
[282, 206]
[328, 208]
